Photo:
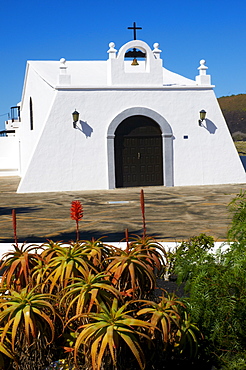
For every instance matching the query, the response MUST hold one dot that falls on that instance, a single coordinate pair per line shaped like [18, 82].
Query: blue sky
[187, 31]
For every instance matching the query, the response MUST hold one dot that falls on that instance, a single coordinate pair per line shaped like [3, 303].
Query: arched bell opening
[135, 57]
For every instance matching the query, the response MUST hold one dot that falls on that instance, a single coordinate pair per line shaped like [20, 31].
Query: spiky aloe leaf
[87, 292]
[27, 312]
[106, 329]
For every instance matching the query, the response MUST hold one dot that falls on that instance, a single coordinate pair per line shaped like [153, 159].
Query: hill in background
[234, 110]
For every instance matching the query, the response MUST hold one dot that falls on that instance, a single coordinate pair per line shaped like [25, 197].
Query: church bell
[134, 62]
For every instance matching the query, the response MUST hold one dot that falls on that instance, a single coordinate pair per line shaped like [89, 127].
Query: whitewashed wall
[42, 95]
[9, 156]
[65, 158]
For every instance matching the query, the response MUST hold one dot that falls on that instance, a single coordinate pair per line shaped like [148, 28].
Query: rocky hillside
[234, 110]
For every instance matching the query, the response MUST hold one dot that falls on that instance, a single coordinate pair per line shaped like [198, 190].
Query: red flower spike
[14, 225]
[143, 211]
[76, 213]
[76, 210]
[127, 239]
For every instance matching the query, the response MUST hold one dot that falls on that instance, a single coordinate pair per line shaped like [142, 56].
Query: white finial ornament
[62, 60]
[203, 78]
[63, 67]
[64, 78]
[156, 50]
[202, 67]
[112, 51]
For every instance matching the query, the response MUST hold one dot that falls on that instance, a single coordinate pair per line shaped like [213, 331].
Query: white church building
[139, 124]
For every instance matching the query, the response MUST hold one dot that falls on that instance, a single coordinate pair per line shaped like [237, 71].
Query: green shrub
[189, 255]
[217, 299]
[237, 207]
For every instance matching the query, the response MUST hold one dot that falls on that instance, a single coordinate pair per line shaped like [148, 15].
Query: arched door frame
[167, 142]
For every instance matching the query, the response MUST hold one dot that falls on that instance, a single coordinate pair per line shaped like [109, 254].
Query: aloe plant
[26, 313]
[97, 252]
[172, 326]
[108, 330]
[103, 295]
[39, 273]
[154, 250]
[87, 292]
[131, 269]
[66, 263]
[164, 315]
[188, 336]
[18, 265]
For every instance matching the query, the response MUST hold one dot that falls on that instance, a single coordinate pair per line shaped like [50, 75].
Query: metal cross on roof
[134, 28]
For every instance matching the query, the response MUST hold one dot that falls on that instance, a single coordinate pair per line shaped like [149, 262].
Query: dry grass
[241, 147]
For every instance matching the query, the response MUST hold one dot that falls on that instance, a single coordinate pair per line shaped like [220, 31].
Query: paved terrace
[172, 213]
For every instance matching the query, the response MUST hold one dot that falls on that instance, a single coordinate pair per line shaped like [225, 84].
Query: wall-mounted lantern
[202, 117]
[75, 115]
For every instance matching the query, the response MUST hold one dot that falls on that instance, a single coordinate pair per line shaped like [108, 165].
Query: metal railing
[15, 113]
[6, 132]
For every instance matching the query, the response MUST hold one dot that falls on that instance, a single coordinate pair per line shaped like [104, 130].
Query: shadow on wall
[85, 128]
[210, 126]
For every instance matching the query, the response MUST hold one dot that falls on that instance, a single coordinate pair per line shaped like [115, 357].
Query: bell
[134, 62]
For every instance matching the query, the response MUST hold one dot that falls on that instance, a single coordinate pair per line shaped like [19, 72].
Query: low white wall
[6, 247]
[9, 156]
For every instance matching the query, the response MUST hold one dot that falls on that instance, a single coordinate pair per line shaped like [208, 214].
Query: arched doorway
[138, 152]
[167, 142]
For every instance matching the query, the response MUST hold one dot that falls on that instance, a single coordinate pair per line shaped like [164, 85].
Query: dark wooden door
[138, 153]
